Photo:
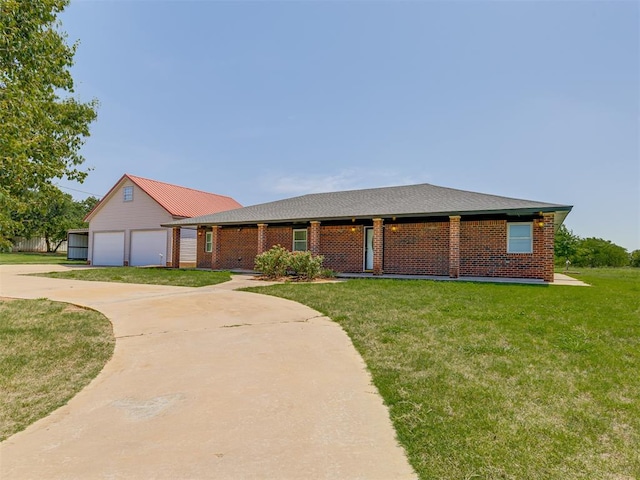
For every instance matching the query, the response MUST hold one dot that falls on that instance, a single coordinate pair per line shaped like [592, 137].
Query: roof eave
[556, 209]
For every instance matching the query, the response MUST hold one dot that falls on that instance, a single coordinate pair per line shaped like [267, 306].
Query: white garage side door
[147, 246]
[108, 249]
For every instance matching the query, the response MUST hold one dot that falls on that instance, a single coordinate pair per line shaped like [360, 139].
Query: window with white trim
[520, 237]
[128, 194]
[208, 242]
[300, 240]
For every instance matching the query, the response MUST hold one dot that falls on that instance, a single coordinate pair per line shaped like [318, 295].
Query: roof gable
[176, 200]
[409, 200]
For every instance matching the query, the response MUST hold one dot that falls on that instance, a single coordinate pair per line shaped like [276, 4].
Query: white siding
[139, 214]
[188, 239]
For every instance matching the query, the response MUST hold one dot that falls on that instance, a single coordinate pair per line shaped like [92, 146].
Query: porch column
[175, 248]
[378, 245]
[215, 248]
[262, 238]
[454, 246]
[314, 238]
[548, 234]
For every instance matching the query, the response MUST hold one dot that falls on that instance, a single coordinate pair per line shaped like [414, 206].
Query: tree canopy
[589, 252]
[43, 127]
[51, 214]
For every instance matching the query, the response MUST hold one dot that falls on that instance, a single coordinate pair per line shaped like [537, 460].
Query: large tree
[50, 214]
[42, 127]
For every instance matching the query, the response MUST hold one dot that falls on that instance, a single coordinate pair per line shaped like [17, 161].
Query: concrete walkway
[558, 279]
[207, 383]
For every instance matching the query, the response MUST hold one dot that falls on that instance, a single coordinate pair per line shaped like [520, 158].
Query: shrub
[306, 265]
[327, 273]
[274, 262]
[278, 261]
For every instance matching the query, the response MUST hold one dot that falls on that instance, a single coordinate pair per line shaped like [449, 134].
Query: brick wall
[546, 247]
[203, 259]
[483, 251]
[342, 248]
[417, 248]
[238, 247]
[280, 236]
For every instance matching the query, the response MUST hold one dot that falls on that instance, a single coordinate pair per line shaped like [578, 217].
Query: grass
[154, 276]
[48, 352]
[498, 381]
[39, 258]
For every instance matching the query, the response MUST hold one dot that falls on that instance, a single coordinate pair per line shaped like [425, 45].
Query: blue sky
[263, 100]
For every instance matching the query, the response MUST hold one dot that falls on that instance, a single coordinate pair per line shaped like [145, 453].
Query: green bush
[306, 265]
[274, 262]
[278, 261]
[327, 273]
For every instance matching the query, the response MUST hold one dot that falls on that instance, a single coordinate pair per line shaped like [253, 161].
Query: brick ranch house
[412, 230]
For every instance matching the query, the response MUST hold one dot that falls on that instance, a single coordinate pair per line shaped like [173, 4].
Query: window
[128, 194]
[300, 240]
[519, 238]
[208, 242]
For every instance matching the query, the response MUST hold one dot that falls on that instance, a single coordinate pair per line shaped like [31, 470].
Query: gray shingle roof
[402, 201]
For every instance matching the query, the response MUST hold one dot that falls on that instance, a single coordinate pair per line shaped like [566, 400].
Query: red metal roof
[183, 201]
[178, 201]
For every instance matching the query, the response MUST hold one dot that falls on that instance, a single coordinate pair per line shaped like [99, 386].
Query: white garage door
[148, 247]
[108, 249]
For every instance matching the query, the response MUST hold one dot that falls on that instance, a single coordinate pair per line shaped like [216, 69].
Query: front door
[368, 248]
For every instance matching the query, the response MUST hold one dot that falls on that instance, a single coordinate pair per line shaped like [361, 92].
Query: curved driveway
[207, 383]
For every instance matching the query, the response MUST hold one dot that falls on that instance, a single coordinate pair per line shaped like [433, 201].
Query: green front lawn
[44, 258]
[498, 381]
[154, 276]
[48, 352]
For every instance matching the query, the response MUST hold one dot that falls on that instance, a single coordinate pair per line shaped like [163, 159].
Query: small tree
[635, 258]
[566, 244]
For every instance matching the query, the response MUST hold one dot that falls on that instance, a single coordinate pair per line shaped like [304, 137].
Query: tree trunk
[58, 246]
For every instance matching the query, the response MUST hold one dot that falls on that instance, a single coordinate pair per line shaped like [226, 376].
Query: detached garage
[124, 228]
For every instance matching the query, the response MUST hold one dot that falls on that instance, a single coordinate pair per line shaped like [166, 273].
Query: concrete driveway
[207, 383]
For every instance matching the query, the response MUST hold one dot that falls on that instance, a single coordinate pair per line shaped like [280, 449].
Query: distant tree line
[591, 252]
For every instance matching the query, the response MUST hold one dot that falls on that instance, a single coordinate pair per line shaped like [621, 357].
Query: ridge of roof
[143, 179]
[390, 187]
